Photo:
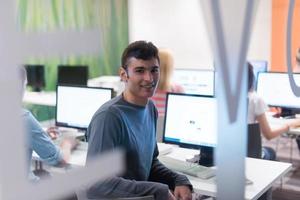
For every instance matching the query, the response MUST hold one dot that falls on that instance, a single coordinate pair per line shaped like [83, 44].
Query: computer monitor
[35, 77]
[258, 66]
[195, 81]
[72, 75]
[76, 105]
[275, 89]
[191, 121]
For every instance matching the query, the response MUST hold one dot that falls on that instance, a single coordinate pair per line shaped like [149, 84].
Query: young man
[129, 121]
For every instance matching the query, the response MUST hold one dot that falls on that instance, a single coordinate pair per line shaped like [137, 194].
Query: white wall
[260, 42]
[180, 26]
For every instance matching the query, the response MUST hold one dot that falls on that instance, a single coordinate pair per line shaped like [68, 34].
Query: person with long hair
[165, 84]
[257, 109]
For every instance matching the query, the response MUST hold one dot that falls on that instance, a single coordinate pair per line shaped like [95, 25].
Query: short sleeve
[260, 106]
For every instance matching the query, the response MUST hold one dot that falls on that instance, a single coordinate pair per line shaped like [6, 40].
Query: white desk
[40, 98]
[262, 173]
[78, 157]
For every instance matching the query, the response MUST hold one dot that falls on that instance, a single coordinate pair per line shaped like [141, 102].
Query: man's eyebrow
[140, 67]
[143, 67]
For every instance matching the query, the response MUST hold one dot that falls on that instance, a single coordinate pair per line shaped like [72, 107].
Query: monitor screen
[275, 89]
[190, 120]
[195, 81]
[75, 106]
[35, 76]
[258, 66]
[72, 75]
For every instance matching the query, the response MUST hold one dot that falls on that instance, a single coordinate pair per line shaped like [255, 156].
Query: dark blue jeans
[268, 153]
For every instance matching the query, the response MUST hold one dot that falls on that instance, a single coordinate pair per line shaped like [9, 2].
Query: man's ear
[123, 74]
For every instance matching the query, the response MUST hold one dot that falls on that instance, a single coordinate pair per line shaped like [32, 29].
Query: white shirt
[256, 107]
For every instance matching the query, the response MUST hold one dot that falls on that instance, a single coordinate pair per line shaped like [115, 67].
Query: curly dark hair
[140, 50]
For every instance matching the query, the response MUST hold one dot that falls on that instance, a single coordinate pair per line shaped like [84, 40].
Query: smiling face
[141, 78]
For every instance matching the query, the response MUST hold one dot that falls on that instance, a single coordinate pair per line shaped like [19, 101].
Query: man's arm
[118, 187]
[40, 142]
[160, 173]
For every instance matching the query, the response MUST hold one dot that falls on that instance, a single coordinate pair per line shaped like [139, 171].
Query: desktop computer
[76, 105]
[275, 89]
[191, 122]
[258, 67]
[195, 81]
[72, 75]
[36, 77]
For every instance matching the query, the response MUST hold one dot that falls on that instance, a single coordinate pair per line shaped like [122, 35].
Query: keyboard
[164, 148]
[188, 168]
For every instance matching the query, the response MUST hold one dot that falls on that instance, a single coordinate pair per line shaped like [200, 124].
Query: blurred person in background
[39, 141]
[257, 109]
[165, 83]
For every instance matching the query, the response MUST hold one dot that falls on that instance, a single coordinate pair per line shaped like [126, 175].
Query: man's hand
[183, 192]
[53, 132]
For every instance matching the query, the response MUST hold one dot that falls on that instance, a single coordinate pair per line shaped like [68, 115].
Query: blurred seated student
[40, 142]
[277, 110]
[165, 85]
[257, 114]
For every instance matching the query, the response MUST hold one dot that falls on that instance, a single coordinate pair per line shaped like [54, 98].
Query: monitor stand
[82, 135]
[206, 156]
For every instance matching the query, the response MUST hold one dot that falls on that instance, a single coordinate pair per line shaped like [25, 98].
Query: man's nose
[148, 76]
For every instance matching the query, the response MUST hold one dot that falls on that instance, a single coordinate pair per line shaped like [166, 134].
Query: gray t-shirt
[120, 124]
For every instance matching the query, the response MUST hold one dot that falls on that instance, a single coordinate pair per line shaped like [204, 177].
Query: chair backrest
[160, 128]
[254, 141]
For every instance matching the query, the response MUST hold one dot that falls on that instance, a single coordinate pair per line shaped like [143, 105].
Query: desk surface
[262, 173]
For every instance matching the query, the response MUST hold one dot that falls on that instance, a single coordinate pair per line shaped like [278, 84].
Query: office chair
[254, 141]
[254, 151]
[160, 128]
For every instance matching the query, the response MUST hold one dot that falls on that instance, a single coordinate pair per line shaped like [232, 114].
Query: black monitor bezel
[182, 144]
[77, 86]
[205, 70]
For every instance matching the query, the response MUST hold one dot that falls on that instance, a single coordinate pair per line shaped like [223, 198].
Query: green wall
[110, 16]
